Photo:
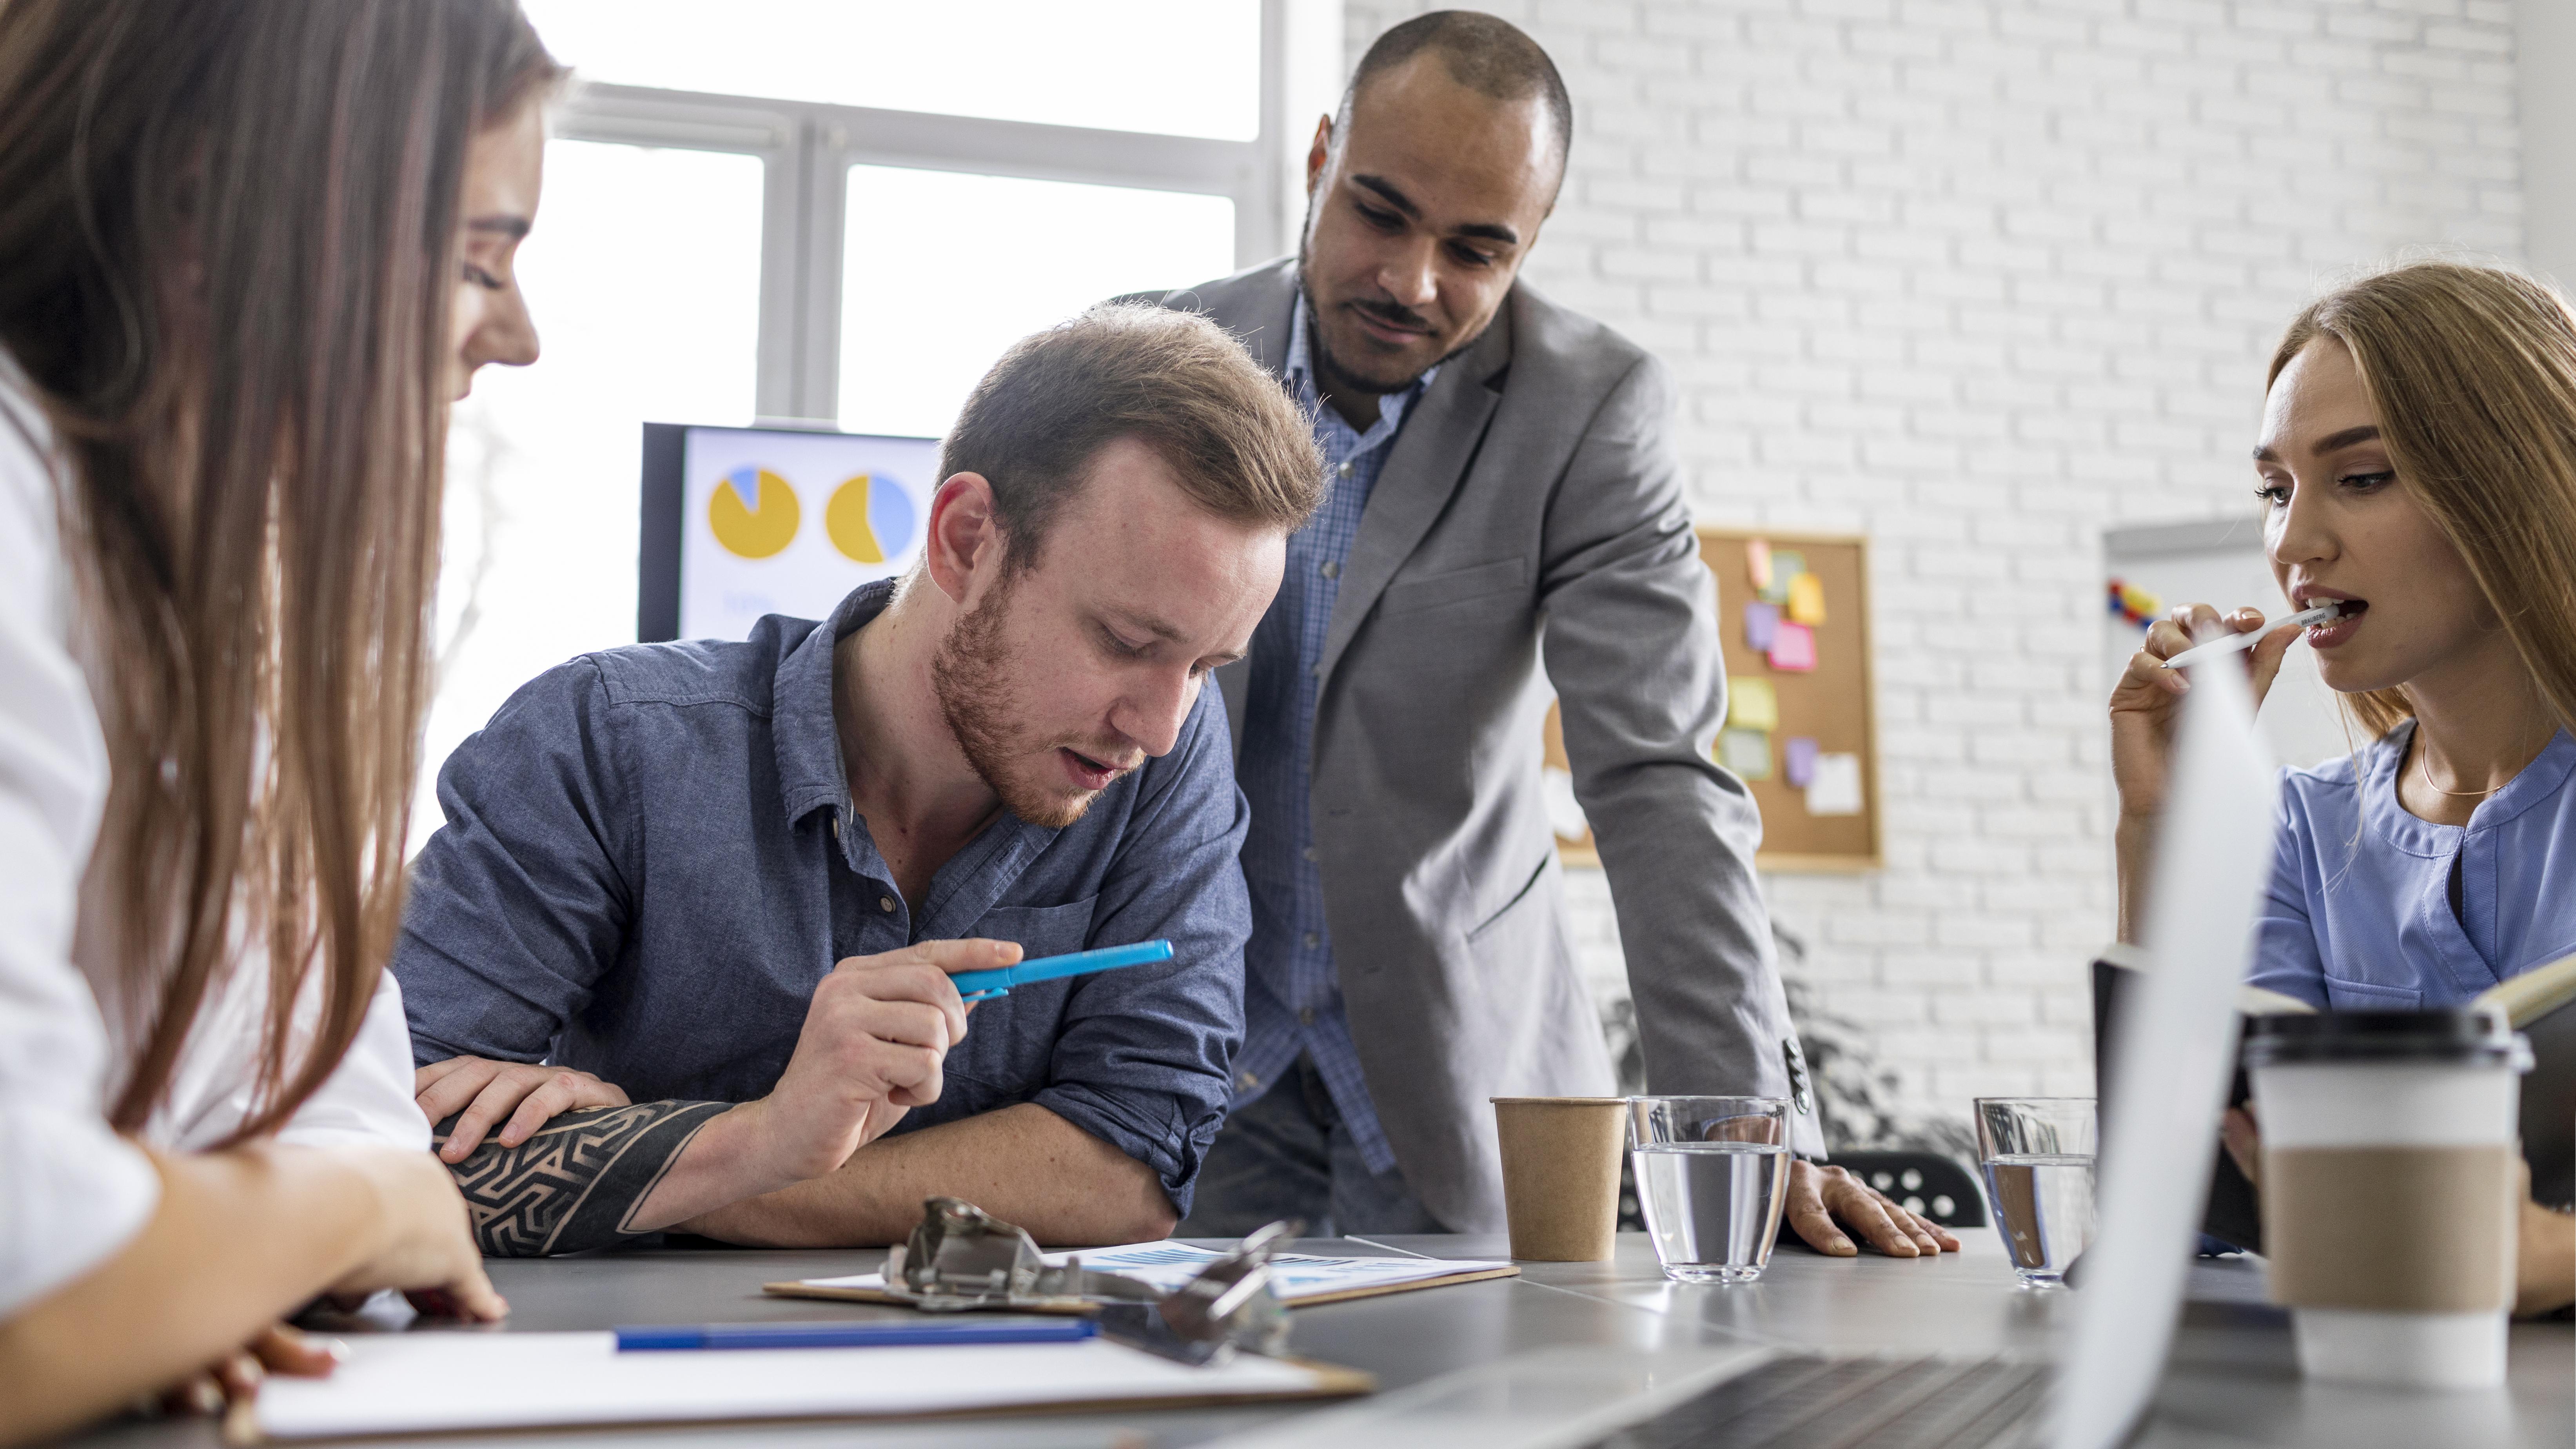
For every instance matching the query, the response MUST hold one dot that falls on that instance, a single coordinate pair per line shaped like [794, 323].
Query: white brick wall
[1979, 278]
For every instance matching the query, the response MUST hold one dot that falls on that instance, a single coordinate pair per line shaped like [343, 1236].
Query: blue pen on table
[896, 1333]
[984, 985]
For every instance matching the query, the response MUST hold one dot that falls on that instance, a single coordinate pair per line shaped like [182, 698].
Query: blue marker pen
[985, 985]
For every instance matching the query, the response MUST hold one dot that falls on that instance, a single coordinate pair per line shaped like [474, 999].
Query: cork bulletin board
[1801, 726]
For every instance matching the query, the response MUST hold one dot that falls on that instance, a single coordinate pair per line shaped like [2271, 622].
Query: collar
[808, 742]
[1300, 372]
[2540, 780]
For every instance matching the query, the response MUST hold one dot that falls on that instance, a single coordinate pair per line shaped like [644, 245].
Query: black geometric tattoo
[576, 1182]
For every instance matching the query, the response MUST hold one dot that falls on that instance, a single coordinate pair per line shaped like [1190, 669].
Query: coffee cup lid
[2463, 1035]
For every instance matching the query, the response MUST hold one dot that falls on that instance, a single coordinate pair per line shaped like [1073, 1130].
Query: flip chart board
[1802, 726]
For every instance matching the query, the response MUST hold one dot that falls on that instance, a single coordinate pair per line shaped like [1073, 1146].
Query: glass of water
[1712, 1177]
[2037, 1154]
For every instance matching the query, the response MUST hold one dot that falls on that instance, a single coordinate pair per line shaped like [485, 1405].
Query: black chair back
[1924, 1183]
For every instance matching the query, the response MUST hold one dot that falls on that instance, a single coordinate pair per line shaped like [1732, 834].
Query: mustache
[1394, 314]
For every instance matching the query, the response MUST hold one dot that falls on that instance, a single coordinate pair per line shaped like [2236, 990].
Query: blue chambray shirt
[650, 861]
[1292, 1001]
[2359, 914]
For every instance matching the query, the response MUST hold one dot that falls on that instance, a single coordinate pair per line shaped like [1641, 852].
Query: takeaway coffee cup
[1561, 1175]
[2388, 1190]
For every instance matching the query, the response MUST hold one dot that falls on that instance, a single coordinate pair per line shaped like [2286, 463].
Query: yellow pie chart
[760, 527]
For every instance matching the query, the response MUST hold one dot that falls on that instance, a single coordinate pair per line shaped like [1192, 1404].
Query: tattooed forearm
[577, 1181]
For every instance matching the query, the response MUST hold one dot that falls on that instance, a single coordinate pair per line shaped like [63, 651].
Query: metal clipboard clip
[962, 1259]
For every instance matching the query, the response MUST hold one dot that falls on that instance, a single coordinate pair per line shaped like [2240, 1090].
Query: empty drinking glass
[1712, 1177]
[2037, 1153]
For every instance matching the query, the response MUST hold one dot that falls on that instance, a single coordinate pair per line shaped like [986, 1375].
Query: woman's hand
[2144, 701]
[425, 1245]
[234, 1380]
[2143, 705]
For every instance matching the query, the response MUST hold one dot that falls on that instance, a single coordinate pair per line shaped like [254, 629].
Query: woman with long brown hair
[250, 250]
[2417, 464]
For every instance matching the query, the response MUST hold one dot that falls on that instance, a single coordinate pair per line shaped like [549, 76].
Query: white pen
[2331, 609]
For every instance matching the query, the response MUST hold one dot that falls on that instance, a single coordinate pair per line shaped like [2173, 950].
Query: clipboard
[407, 1384]
[817, 1288]
[1302, 1280]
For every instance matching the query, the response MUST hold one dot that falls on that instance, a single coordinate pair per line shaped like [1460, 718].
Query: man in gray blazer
[1501, 480]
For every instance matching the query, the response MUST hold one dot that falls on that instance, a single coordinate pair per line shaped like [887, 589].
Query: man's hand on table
[1828, 1204]
[522, 1098]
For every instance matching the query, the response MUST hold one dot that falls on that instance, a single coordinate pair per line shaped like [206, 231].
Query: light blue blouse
[2360, 913]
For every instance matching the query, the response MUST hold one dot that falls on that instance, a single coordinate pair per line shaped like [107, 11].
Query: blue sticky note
[1761, 623]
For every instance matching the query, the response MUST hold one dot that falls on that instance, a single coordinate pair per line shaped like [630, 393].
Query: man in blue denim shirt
[621, 948]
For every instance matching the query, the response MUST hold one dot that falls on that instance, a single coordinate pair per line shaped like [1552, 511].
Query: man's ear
[1318, 153]
[965, 535]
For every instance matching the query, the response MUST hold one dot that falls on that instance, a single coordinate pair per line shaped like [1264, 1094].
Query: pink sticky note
[1799, 762]
[1793, 648]
[1760, 620]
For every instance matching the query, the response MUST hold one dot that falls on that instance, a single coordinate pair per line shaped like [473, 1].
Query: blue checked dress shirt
[1292, 1002]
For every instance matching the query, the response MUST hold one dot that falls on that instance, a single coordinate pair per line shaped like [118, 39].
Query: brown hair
[1173, 381]
[2472, 373]
[227, 251]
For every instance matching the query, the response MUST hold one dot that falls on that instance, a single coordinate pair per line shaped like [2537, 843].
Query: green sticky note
[1746, 752]
[1786, 564]
[1752, 704]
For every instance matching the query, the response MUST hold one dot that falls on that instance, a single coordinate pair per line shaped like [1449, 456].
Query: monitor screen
[741, 522]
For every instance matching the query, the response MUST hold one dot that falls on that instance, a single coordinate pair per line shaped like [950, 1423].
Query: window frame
[807, 149]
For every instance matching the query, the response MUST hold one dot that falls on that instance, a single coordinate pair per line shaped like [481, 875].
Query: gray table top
[2232, 1379]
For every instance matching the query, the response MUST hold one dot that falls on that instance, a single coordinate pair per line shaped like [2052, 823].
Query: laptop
[2172, 1069]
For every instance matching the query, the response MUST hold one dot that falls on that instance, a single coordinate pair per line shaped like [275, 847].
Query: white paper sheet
[1835, 787]
[434, 1382]
[1167, 1265]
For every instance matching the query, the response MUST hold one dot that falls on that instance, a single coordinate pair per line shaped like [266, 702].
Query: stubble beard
[969, 676]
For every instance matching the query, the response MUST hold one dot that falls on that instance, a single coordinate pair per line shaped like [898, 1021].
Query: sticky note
[1807, 599]
[1793, 648]
[1757, 561]
[1798, 761]
[1759, 620]
[1752, 704]
[1746, 752]
[1835, 790]
[1786, 564]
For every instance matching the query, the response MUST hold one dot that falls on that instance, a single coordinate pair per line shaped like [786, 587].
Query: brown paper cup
[1561, 1175]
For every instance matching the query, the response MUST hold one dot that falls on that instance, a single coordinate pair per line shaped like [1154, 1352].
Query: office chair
[1925, 1183]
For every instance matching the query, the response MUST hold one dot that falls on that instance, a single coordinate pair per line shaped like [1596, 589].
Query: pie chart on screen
[753, 513]
[870, 518]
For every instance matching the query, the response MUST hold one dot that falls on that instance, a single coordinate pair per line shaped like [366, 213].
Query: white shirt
[71, 1190]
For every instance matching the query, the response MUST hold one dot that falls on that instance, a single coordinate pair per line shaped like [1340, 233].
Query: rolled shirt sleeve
[1143, 1056]
[518, 904]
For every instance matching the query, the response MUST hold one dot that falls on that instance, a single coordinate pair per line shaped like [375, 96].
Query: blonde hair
[2472, 372]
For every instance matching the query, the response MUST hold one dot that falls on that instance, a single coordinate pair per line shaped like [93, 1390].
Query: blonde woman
[2417, 461]
[249, 251]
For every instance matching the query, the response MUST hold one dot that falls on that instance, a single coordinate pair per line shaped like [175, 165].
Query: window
[634, 322]
[1106, 65]
[937, 277]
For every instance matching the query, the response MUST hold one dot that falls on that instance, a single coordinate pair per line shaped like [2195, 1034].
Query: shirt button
[886, 904]
[1344, 471]
[1332, 569]
[1249, 1080]
[1313, 855]
[1313, 940]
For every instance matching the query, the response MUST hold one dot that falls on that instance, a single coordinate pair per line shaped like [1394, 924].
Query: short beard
[968, 674]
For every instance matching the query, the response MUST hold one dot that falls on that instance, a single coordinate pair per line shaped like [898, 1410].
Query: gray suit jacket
[1532, 498]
